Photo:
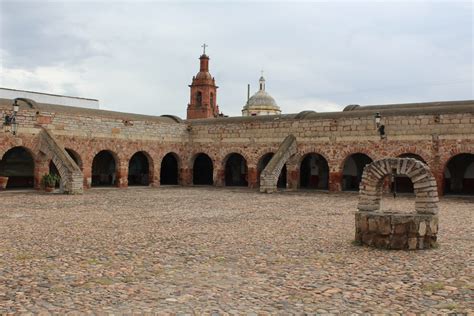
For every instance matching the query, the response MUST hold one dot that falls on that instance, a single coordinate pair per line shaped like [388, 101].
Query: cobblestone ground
[199, 250]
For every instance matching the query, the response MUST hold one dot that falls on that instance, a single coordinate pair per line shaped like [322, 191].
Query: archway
[18, 165]
[104, 169]
[55, 171]
[236, 170]
[138, 169]
[459, 175]
[402, 182]
[75, 156]
[352, 171]
[203, 170]
[262, 163]
[314, 172]
[169, 169]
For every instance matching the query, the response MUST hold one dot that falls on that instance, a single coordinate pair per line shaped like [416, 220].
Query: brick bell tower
[203, 101]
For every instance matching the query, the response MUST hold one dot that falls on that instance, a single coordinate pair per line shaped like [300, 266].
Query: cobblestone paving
[204, 250]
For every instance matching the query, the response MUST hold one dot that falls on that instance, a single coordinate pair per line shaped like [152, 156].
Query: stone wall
[435, 133]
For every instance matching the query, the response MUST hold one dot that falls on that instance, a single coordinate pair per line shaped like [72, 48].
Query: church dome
[261, 103]
[261, 99]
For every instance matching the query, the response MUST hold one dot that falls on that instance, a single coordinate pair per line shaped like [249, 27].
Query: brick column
[87, 172]
[154, 177]
[252, 178]
[335, 179]
[41, 168]
[292, 177]
[122, 176]
[185, 176]
[219, 177]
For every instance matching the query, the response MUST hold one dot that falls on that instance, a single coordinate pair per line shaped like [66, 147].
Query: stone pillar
[154, 176]
[252, 177]
[185, 176]
[87, 172]
[335, 179]
[219, 177]
[41, 168]
[122, 176]
[292, 177]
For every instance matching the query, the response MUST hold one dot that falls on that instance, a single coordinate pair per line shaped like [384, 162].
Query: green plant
[50, 180]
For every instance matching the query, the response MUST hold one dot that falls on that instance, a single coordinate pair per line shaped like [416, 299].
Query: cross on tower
[204, 46]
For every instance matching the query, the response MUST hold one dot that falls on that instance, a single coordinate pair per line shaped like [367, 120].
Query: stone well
[389, 230]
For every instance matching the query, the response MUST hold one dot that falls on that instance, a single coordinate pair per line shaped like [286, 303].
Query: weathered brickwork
[436, 133]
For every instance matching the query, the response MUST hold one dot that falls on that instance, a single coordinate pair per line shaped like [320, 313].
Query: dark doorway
[314, 172]
[402, 182]
[236, 171]
[459, 175]
[104, 170]
[352, 171]
[18, 165]
[169, 170]
[263, 162]
[138, 170]
[203, 170]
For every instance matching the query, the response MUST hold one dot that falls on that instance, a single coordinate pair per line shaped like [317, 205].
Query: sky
[140, 57]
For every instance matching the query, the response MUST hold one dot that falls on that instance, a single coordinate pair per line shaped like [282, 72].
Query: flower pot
[49, 189]
[3, 183]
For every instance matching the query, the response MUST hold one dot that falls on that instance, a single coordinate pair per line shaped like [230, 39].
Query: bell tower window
[212, 99]
[199, 98]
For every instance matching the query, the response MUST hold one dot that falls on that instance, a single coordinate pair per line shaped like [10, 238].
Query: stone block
[412, 242]
[422, 228]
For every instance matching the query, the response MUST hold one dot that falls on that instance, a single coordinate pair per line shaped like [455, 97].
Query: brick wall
[434, 133]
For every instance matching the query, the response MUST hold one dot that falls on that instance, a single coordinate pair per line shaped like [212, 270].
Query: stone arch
[314, 171]
[352, 169]
[75, 156]
[169, 171]
[18, 164]
[403, 184]
[458, 174]
[262, 163]
[140, 169]
[202, 169]
[235, 170]
[104, 168]
[424, 183]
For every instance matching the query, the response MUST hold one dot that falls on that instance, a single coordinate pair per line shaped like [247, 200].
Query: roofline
[50, 94]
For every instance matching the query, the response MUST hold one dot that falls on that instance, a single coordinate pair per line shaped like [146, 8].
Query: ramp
[71, 175]
[269, 175]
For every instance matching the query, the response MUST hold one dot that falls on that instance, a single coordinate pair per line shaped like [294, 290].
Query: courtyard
[201, 250]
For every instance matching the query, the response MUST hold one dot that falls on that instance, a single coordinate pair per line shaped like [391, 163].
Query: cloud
[140, 57]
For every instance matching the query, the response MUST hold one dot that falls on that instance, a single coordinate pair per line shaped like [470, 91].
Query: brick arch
[466, 149]
[411, 150]
[37, 171]
[222, 173]
[31, 151]
[179, 163]
[424, 183]
[313, 182]
[150, 161]
[118, 163]
[213, 166]
[195, 153]
[228, 153]
[76, 155]
[347, 154]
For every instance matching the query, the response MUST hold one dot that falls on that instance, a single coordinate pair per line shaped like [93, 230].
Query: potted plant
[3, 183]
[49, 181]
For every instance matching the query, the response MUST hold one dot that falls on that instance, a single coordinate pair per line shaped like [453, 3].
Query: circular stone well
[390, 230]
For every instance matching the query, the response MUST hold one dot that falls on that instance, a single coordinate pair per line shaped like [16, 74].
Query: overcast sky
[140, 57]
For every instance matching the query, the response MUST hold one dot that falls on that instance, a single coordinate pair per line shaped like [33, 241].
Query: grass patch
[432, 287]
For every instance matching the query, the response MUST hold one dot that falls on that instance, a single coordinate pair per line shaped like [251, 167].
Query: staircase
[269, 175]
[71, 175]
